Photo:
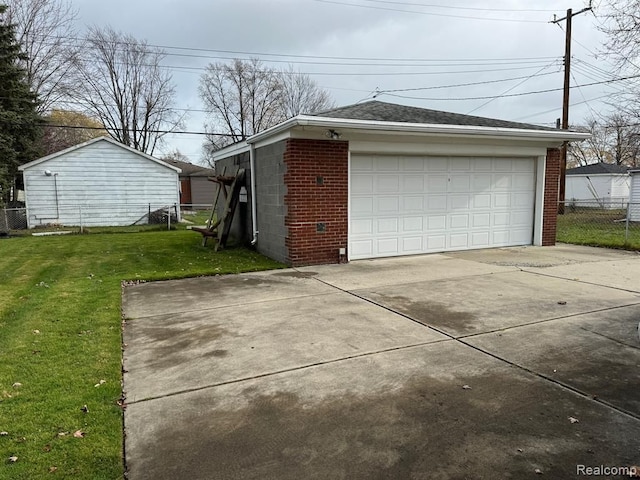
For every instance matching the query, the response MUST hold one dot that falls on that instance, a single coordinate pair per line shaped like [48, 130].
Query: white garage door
[410, 205]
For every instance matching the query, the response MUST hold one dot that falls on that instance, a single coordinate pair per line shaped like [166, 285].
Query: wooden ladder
[229, 187]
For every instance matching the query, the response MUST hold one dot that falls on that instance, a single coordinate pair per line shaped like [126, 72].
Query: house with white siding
[99, 183]
[634, 196]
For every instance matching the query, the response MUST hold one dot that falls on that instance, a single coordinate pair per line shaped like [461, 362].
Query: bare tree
[123, 85]
[242, 98]
[615, 138]
[301, 94]
[44, 30]
[592, 150]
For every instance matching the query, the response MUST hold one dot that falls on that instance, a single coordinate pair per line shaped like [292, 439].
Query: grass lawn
[60, 342]
[601, 228]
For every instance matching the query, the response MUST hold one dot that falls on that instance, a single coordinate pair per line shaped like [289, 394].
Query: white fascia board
[231, 150]
[396, 128]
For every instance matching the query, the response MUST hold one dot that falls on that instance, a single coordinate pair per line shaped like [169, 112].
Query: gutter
[254, 200]
[420, 128]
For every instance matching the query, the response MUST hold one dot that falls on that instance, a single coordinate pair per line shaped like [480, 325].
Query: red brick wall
[551, 185]
[317, 197]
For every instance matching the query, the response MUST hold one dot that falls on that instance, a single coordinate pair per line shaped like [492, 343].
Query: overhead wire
[416, 12]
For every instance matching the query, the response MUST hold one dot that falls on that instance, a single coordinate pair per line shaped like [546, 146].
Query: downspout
[254, 200]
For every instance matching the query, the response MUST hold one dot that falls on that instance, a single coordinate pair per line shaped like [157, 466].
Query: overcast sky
[355, 48]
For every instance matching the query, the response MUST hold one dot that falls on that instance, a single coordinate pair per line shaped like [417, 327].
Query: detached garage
[378, 179]
[99, 183]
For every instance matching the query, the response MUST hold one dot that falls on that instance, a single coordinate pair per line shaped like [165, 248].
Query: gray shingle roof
[390, 112]
[189, 169]
[598, 168]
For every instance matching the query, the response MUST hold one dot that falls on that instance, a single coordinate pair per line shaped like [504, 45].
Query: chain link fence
[599, 222]
[83, 216]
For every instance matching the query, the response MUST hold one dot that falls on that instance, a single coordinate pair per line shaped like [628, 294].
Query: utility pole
[565, 99]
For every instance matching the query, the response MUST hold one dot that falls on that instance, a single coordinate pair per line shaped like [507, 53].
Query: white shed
[98, 183]
[600, 184]
[634, 196]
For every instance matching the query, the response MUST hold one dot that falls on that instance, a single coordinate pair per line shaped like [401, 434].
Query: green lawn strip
[599, 228]
[60, 335]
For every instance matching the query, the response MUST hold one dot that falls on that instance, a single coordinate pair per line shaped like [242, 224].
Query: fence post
[626, 226]
[81, 223]
[168, 218]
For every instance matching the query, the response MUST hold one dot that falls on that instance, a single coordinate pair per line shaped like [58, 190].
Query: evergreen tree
[20, 129]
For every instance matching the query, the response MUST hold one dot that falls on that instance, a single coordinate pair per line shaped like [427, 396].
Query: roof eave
[399, 128]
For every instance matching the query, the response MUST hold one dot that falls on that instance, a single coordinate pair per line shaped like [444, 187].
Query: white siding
[100, 184]
[634, 198]
[592, 188]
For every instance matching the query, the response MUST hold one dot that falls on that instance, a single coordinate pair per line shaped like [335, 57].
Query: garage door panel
[412, 244]
[362, 184]
[481, 220]
[436, 243]
[362, 227]
[480, 239]
[459, 221]
[412, 164]
[388, 164]
[482, 182]
[459, 202]
[361, 206]
[460, 183]
[412, 224]
[436, 203]
[436, 222]
[481, 201]
[387, 225]
[436, 164]
[459, 240]
[387, 246]
[412, 204]
[437, 183]
[387, 205]
[407, 205]
[413, 184]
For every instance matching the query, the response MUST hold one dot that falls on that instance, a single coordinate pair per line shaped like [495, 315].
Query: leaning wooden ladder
[229, 187]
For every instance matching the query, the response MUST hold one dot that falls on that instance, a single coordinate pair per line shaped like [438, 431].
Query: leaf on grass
[63, 434]
[78, 434]
[4, 434]
[53, 469]
[16, 385]
[101, 382]
[46, 448]
[84, 409]
[13, 459]
[36, 332]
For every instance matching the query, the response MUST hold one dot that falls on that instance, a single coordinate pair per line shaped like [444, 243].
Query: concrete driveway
[505, 363]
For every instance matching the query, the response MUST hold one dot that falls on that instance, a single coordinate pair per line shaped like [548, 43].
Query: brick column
[317, 186]
[551, 188]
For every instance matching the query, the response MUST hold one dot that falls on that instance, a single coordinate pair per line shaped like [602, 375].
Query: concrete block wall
[551, 189]
[317, 197]
[271, 208]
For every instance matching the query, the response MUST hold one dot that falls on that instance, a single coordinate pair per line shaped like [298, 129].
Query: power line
[334, 2]
[486, 82]
[427, 5]
[510, 89]
[82, 41]
[518, 94]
